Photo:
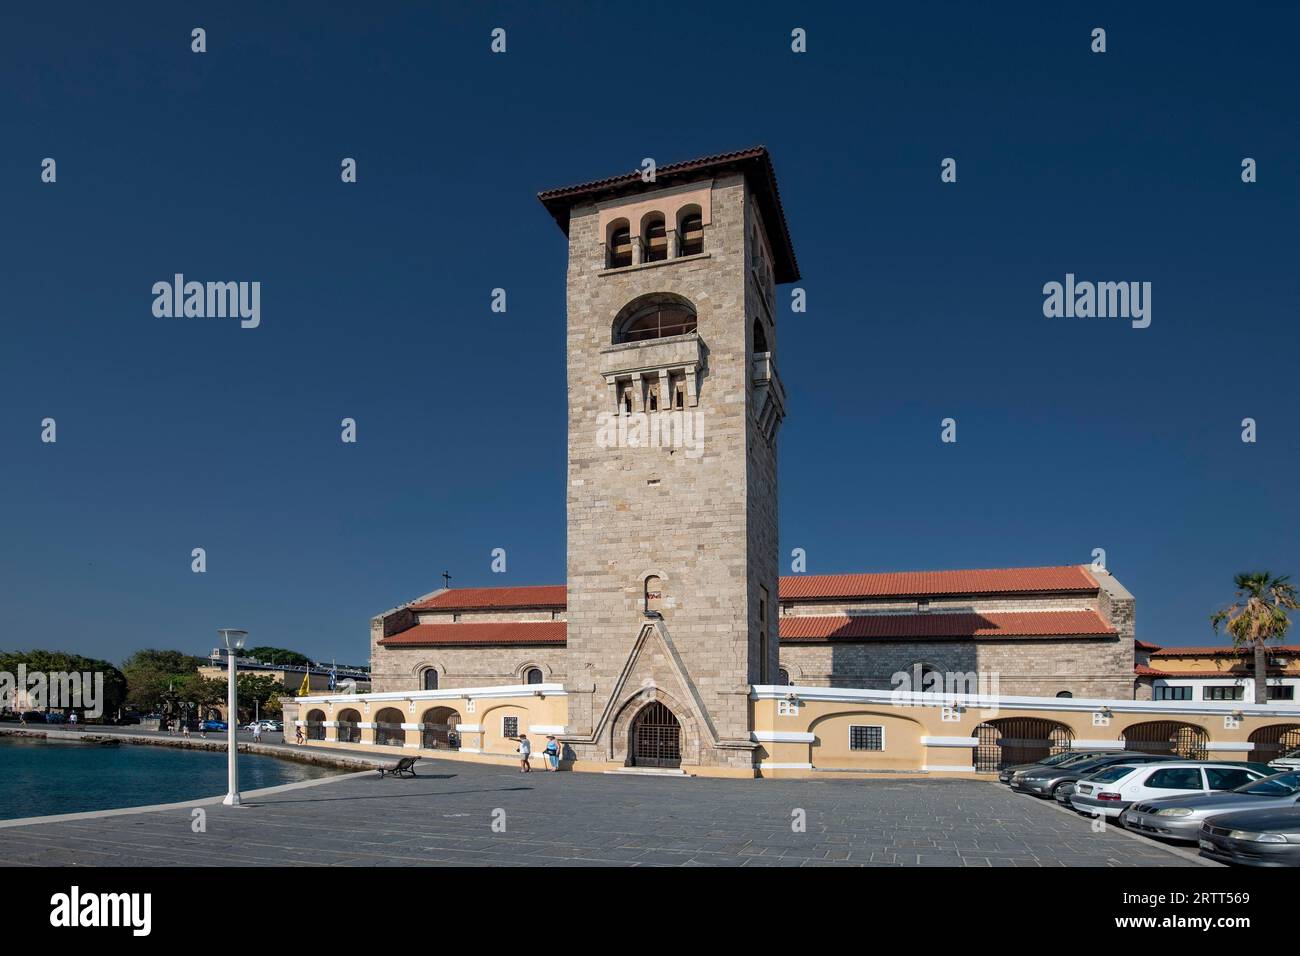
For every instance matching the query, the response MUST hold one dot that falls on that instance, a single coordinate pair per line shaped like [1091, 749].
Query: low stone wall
[319, 758]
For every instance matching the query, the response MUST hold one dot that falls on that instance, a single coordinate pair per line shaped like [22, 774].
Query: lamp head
[234, 638]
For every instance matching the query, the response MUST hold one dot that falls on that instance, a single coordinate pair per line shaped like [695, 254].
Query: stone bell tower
[674, 409]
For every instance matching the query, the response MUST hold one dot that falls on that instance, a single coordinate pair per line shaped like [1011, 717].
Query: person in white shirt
[525, 749]
[257, 733]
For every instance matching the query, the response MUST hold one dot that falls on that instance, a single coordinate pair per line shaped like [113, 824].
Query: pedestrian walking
[298, 738]
[257, 733]
[525, 750]
[552, 752]
[72, 718]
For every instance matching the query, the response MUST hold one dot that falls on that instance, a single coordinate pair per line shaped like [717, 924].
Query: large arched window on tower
[654, 316]
[654, 238]
[760, 337]
[430, 679]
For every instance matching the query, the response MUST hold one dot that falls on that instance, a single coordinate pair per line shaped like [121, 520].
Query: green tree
[150, 672]
[277, 655]
[1258, 614]
[56, 662]
[256, 689]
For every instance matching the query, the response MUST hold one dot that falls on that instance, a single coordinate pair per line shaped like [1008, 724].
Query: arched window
[783, 677]
[1064, 693]
[430, 679]
[760, 337]
[654, 594]
[533, 675]
[925, 678]
[690, 232]
[654, 316]
[654, 238]
[620, 245]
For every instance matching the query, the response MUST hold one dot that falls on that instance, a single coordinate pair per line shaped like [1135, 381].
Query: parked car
[266, 725]
[1288, 761]
[1180, 818]
[1110, 791]
[1253, 838]
[1056, 760]
[1046, 781]
[213, 725]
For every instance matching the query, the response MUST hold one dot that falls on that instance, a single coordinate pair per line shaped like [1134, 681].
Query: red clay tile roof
[1142, 670]
[755, 163]
[492, 632]
[1144, 646]
[920, 627]
[540, 596]
[812, 587]
[1221, 651]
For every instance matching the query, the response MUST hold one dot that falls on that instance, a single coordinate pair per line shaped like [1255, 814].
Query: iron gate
[438, 730]
[656, 738]
[1167, 737]
[1274, 740]
[1016, 740]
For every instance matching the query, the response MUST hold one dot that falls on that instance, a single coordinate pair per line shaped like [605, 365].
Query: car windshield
[1111, 774]
[1282, 785]
[1061, 758]
[1092, 763]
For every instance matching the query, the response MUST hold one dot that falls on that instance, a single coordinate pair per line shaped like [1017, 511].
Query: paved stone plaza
[444, 817]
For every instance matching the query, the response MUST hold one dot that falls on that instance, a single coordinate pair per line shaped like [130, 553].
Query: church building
[675, 642]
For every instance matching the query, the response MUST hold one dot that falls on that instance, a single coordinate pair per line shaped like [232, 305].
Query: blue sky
[925, 299]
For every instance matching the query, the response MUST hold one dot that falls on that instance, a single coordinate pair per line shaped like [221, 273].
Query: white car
[1288, 761]
[1110, 791]
[266, 725]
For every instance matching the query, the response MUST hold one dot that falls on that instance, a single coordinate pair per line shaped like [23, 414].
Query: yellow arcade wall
[801, 731]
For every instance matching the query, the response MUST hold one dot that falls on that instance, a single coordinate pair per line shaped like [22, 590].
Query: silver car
[1180, 818]
[1288, 761]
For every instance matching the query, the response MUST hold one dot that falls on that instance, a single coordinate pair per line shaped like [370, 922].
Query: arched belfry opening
[655, 738]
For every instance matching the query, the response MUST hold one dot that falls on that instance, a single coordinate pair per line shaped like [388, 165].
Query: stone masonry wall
[633, 512]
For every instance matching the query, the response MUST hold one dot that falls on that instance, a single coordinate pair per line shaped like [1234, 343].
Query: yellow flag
[305, 689]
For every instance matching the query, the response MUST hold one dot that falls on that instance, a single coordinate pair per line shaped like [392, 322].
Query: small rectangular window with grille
[866, 737]
[509, 726]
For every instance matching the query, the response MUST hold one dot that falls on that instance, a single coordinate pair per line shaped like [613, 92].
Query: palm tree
[1258, 614]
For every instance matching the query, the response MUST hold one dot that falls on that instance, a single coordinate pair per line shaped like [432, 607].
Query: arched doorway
[438, 729]
[349, 731]
[1171, 737]
[388, 728]
[1009, 741]
[1273, 741]
[655, 738]
[315, 725]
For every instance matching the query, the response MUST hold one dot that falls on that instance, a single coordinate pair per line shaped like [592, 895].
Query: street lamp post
[234, 639]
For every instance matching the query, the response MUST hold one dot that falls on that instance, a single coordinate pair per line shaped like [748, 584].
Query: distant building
[1212, 673]
[290, 675]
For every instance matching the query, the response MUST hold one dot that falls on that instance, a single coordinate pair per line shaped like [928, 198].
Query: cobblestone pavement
[446, 817]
